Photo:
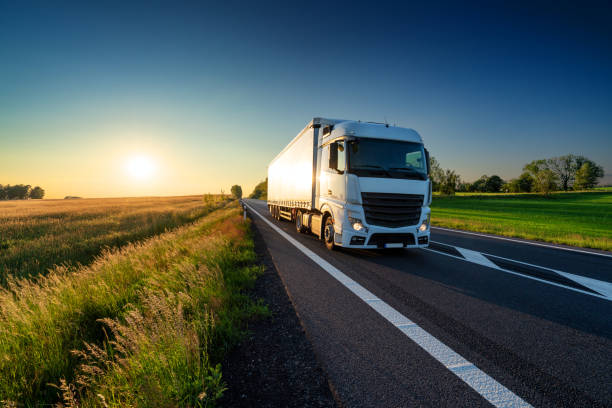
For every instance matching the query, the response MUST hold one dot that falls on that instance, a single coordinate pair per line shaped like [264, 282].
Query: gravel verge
[275, 366]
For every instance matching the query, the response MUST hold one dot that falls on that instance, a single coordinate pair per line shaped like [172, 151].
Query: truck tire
[328, 233]
[298, 223]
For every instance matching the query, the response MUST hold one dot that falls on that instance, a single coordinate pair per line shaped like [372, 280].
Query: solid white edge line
[522, 241]
[499, 268]
[478, 380]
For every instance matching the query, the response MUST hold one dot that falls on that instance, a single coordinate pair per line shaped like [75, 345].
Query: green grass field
[145, 324]
[574, 218]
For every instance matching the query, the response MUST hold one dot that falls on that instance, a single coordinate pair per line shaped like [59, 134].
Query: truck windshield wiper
[373, 166]
[409, 170]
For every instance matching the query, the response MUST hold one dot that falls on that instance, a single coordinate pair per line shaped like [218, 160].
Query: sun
[140, 167]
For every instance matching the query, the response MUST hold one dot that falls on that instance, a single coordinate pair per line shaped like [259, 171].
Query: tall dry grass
[36, 235]
[143, 325]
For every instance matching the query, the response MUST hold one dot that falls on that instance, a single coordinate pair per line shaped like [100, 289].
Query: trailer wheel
[328, 233]
[299, 226]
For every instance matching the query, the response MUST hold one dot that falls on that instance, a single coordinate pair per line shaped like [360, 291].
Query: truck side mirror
[427, 159]
[333, 156]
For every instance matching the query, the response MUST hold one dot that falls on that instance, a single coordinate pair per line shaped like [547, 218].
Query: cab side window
[341, 158]
[337, 160]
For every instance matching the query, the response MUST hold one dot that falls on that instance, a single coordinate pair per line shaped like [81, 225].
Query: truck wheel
[328, 233]
[298, 223]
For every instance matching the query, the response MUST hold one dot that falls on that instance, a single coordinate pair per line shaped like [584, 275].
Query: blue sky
[212, 91]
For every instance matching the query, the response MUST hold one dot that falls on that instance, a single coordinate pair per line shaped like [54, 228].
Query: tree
[260, 191]
[236, 191]
[565, 168]
[493, 184]
[546, 181]
[37, 193]
[594, 172]
[587, 175]
[534, 167]
[3, 192]
[480, 184]
[464, 187]
[18, 192]
[436, 173]
[525, 183]
[450, 182]
[510, 187]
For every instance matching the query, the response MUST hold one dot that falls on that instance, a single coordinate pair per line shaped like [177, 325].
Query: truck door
[333, 162]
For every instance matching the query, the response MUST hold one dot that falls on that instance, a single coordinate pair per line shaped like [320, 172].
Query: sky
[198, 96]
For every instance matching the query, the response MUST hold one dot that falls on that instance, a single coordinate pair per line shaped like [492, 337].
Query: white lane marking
[476, 257]
[602, 287]
[524, 242]
[478, 380]
[525, 276]
[605, 288]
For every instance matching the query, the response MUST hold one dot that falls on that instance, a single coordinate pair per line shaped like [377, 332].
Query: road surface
[471, 321]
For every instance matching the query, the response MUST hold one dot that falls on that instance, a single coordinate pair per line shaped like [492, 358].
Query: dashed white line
[478, 380]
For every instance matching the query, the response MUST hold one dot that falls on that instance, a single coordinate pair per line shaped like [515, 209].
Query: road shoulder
[276, 364]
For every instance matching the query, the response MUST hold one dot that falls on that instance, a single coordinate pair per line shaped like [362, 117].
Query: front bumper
[377, 237]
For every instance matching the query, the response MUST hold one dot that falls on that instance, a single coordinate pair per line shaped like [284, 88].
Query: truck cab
[373, 185]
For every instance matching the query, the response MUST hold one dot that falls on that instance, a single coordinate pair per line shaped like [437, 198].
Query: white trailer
[354, 184]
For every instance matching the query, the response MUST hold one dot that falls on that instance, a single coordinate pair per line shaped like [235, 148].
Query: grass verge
[578, 219]
[144, 325]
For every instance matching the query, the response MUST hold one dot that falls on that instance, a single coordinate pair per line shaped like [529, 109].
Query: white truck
[354, 184]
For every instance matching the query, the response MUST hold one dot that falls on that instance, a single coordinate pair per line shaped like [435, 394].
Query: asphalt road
[472, 321]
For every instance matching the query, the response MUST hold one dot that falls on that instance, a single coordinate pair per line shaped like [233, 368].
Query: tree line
[569, 172]
[20, 192]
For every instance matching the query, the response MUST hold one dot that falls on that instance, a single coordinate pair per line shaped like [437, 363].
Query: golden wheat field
[35, 235]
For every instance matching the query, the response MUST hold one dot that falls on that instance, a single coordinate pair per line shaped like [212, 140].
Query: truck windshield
[387, 158]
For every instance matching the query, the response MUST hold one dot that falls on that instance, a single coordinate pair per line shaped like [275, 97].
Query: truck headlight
[425, 224]
[356, 224]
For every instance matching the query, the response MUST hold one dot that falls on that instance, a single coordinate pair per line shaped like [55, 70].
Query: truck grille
[392, 210]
